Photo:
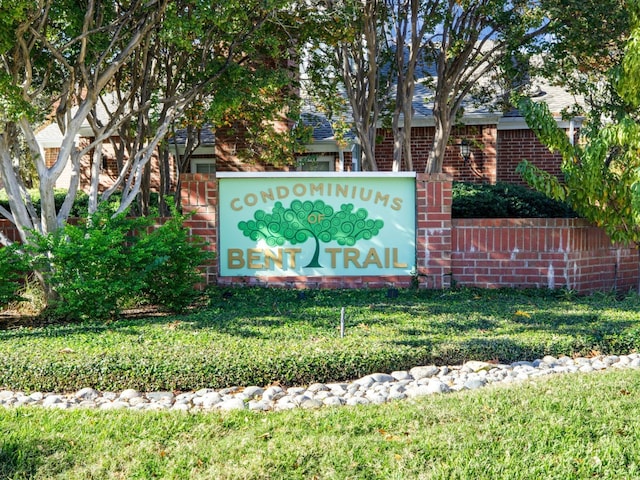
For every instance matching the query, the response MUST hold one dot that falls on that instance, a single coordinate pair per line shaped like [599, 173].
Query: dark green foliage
[103, 261]
[92, 266]
[503, 200]
[13, 269]
[171, 275]
[258, 336]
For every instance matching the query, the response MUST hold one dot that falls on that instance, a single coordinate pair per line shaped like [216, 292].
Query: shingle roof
[207, 137]
[556, 97]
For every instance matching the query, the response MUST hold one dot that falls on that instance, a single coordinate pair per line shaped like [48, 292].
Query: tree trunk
[443, 125]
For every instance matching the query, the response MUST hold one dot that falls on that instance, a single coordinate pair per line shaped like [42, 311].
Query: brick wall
[481, 167]
[433, 222]
[486, 253]
[9, 229]
[540, 253]
[516, 145]
[199, 196]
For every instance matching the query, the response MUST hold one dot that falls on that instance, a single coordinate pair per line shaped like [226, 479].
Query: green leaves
[13, 269]
[504, 200]
[601, 175]
[94, 267]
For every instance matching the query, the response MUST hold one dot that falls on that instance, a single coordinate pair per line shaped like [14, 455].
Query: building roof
[475, 113]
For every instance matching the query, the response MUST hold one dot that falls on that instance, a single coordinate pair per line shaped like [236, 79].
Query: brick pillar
[433, 221]
[199, 194]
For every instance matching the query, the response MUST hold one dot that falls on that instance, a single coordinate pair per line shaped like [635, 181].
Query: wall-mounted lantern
[465, 150]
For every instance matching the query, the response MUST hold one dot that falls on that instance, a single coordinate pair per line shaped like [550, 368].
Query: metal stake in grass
[342, 323]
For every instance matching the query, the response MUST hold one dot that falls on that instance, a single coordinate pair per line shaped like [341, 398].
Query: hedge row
[191, 370]
[504, 200]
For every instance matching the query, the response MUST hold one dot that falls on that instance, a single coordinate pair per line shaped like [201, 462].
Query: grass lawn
[573, 426]
[260, 336]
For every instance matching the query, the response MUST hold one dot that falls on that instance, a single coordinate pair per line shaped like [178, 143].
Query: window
[316, 163]
[203, 166]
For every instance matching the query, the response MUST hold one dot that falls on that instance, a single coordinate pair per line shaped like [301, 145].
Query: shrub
[97, 265]
[173, 270]
[13, 269]
[504, 200]
[91, 266]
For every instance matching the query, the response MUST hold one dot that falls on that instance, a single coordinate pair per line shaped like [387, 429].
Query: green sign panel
[316, 224]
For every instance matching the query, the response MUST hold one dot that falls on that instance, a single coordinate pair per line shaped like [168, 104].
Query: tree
[377, 60]
[51, 62]
[475, 39]
[582, 62]
[257, 91]
[344, 57]
[409, 22]
[479, 51]
[124, 68]
[601, 174]
[317, 220]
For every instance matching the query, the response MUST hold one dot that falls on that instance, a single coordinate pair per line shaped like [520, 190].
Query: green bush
[91, 266]
[260, 336]
[173, 271]
[97, 265]
[13, 269]
[504, 200]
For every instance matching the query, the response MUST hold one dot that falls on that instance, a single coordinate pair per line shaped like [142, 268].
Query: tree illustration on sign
[307, 219]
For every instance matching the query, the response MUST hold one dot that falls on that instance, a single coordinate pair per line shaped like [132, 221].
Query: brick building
[498, 143]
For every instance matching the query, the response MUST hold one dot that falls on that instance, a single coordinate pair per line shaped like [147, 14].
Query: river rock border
[376, 388]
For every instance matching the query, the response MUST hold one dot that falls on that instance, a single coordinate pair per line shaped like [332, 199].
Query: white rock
[253, 392]
[311, 403]
[357, 401]
[138, 401]
[334, 401]
[117, 405]
[476, 366]
[129, 394]
[396, 395]
[52, 400]
[338, 388]
[427, 371]
[4, 394]
[110, 395]
[474, 383]
[365, 382]
[36, 396]
[183, 407]
[317, 387]
[232, 404]
[258, 406]
[401, 375]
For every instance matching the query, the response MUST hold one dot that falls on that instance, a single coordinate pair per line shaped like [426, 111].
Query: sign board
[315, 224]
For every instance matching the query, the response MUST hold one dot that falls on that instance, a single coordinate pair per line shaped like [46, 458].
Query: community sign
[314, 224]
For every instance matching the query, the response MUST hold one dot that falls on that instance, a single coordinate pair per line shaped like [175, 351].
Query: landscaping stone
[423, 372]
[375, 388]
[87, 394]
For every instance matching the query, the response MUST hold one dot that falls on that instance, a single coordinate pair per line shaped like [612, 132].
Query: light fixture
[465, 150]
